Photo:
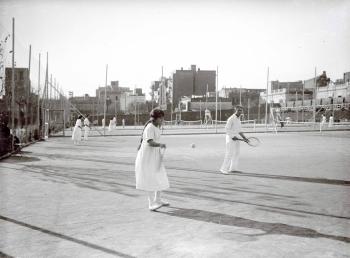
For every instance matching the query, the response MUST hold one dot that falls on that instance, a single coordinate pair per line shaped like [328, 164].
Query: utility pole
[220, 110]
[216, 99]
[13, 85]
[206, 98]
[105, 104]
[248, 106]
[302, 114]
[314, 97]
[135, 104]
[50, 97]
[45, 94]
[38, 108]
[267, 96]
[296, 104]
[240, 95]
[259, 110]
[28, 95]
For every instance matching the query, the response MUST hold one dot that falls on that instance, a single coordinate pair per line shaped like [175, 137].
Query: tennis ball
[193, 145]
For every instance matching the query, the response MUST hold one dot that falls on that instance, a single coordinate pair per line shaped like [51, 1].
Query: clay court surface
[291, 198]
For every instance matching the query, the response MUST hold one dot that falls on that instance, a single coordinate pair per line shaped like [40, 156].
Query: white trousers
[231, 156]
[86, 133]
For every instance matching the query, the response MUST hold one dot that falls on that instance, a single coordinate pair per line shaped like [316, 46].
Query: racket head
[253, 141]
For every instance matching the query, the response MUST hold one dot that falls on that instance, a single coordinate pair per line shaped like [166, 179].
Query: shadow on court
[268, 228]
[269, 176]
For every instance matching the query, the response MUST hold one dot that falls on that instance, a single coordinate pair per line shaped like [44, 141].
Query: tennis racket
[251, 141]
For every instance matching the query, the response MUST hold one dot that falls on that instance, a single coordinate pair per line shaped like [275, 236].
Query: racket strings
[253, 141]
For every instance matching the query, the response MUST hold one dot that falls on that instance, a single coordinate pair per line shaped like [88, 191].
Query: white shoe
[224, 172]
[155, 206]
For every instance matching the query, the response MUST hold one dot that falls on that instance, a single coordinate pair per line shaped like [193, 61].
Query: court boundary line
[64, 237]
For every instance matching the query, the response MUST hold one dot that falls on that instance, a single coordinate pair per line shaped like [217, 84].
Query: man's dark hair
[238, 107]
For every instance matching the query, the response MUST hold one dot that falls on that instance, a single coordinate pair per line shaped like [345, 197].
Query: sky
[242, 39]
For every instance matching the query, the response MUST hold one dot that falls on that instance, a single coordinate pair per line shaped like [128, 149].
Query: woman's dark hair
[80, 117]
[155, 113]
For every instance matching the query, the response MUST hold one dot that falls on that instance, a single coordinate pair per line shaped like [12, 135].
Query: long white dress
[149, 170]
[76, 135]
[86, 128]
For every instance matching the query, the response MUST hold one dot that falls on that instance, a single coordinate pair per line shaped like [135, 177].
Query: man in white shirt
[86, 127]
[233, 131]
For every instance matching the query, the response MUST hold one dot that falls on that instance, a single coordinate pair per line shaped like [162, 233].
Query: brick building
[192, 82]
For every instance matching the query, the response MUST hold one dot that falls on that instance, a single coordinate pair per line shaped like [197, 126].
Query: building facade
[162, 91]
[114, 95]
[85, 104]
[192, 82]
[131, 103]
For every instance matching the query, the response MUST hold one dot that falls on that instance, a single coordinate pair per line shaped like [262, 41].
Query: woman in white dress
[86, 127]
[150, 172]
[76, 135]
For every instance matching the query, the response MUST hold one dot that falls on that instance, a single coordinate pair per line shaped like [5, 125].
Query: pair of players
[77, 131]
[150, 172]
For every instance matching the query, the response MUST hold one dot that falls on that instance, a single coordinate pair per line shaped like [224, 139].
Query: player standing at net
[150, 172]
[233, 129]
[86, 127]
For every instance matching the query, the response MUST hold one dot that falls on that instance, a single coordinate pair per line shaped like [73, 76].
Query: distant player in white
[110, 125]
[331, 121]
[86, 127]
[207, 117]
[323, 121]
[76, 135]
[123, 122]
[150, 172]
[233, 131]
[114, 122]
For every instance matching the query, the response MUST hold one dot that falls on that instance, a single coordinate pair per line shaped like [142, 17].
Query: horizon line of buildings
[194, 89]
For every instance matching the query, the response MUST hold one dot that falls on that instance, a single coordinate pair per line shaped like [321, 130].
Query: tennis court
[289, 199]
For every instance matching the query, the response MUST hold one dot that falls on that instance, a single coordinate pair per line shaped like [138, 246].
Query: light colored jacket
[233, 126]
